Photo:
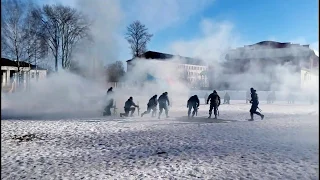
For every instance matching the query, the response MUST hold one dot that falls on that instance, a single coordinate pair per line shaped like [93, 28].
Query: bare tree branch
[137, 36]
[62, 28]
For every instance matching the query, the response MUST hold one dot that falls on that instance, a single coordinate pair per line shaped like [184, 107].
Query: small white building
[28, 72]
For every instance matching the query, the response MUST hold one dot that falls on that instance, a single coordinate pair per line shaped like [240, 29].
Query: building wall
[309, 80]
[42, 74]
[192, 72]
[266, 57]
[8, 75]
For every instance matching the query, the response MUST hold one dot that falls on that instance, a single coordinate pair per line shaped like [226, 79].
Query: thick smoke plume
[60, 95]
[67, 95]
[220, 38]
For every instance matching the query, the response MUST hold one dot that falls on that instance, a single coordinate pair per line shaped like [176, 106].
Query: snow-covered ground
[285, 145]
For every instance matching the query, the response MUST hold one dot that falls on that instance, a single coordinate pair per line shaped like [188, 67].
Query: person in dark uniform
[128, 107]
[152, 105]
[254, 104]
[226, 98]
[163, 104]
[109, 105]
[194, 103]
[214, 103]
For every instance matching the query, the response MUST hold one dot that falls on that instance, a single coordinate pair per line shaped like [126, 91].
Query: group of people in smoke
[215, 101]
[130, 106]
[193, 103]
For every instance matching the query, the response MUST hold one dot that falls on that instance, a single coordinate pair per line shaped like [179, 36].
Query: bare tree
[115, 71]
[62, 28]
[137, 36]
[36, 48]
[50, 29]
[74, 27]
[12, 30]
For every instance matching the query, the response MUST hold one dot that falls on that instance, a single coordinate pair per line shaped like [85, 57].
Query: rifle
[259, 109]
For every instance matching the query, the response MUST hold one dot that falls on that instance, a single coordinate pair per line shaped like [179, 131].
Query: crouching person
[129, 106]
[152, 105]
[193, 103]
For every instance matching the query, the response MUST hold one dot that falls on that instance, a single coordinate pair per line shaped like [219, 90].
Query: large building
[264, 56]
[190, 69]
[309, 78]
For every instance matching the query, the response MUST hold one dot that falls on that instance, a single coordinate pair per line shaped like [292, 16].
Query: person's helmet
[165, 93]
[214, 91]
[130, 98]
[251, 89]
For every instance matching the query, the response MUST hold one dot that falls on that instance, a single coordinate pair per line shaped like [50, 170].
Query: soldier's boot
[251, 115]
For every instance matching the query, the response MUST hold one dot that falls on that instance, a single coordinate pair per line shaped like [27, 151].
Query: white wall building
[265, 56]
[28, 72]
[192, 70]
[309, 79]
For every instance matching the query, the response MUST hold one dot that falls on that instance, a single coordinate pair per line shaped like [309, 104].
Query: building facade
[265, 57]
[192, 71]
[309, 78]
[28, 73]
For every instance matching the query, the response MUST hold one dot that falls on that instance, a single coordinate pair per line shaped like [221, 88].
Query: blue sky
[195, 27]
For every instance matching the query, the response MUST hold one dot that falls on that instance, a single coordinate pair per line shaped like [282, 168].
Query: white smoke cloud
[59, 96]
[161, 14]
[217, 38]
[68, 95]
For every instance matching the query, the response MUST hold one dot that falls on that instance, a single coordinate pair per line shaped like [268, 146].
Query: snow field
[283, 146]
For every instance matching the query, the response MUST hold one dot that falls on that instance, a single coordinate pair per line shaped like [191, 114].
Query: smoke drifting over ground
[60, 95]
[219, 38]
[160, 76]
[68, 95]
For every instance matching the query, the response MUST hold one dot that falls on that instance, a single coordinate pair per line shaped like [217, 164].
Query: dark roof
[8, 62]
[164, 56]
[274, 44]
[156, 55]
